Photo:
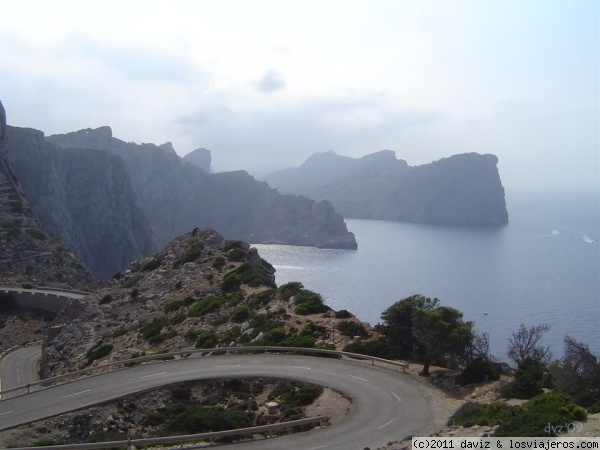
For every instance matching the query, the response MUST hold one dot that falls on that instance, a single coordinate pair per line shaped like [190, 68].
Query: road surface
[19, 368]
[386, 405]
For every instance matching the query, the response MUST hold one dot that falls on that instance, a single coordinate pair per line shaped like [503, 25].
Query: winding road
[386, 405]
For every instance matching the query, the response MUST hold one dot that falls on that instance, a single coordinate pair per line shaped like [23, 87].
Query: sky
[265, 84]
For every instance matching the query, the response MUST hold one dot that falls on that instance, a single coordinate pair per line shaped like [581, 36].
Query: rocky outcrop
[460, 190]
[200, 157]
[83, 196]
[28, 254]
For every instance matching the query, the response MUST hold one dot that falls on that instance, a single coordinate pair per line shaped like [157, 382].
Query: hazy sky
[265, 84]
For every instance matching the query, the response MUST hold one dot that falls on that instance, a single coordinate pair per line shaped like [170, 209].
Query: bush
[36, 234]
[289, 289]
[253, 275]
[198, 419]
[191, 254]
[218, 262]
[541, 416]
[208, 339]
[172, 306]
[310, 303]
[154, 328]
[236, 254]
[379, 348]
[343, 314]
[299, 340]
[351, 329]
[477, 371]
[240, 314]
[231, 282]
[471, 414]
[524, 387]
[302, 396]
[98, 351]
[594, 409]
[205, 306]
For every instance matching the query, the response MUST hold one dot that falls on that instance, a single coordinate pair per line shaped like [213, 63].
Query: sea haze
[543, 267]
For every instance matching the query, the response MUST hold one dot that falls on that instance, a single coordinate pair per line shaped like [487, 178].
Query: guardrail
[186, 438]
[49, 382]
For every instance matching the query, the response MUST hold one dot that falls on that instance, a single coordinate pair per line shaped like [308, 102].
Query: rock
[200, 157]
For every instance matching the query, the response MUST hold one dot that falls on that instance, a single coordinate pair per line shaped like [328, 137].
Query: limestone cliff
[177, 196]
[460, 190]
[84, 197]
[28, 254]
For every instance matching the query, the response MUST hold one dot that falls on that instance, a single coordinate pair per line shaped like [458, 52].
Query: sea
[543, 267]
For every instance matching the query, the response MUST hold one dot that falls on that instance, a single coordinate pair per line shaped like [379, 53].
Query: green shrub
[524, 387]
[314, 330]
[310, 303]
[541, 416]
[153, 419]
[351, 329]
[172, 306]
[98, 351]
[299, 340]
[234, 298]
[208, 339]
[231, 335]
[289, 289]
[16, 206]
[262, 322]
[119, 332]
[240, 314]
[594, 409]
[477, 371]
[154, 328]
[199, 419]
[205, 306]
[177, 319]
[379, 348]
[253, 275]
[302, 396]
[343, 314]
[231, 282]
[229, 245]
[471, 414]
[236, 254]
[191, 254]
[218, 262]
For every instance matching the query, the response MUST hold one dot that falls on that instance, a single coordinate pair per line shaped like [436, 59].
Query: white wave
[554, 233]
[586, 239]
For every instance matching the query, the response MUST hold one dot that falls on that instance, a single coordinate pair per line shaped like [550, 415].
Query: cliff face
[112, 201]
[82, 196]
[29, 254]
[459, 190]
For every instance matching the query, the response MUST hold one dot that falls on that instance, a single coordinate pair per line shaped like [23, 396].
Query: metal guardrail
[186, 438]
[49, 382]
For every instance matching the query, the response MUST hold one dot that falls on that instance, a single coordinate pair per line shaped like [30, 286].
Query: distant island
[463, 189]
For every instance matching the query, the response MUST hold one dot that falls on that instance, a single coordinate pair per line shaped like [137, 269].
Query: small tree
[578, 373]
[443, 334]
[525, 343]
[398, 321]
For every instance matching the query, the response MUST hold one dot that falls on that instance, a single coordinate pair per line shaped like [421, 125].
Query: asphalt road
[386, 405]
[19, 368]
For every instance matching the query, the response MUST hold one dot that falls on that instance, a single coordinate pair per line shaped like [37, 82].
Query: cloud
[270, 82]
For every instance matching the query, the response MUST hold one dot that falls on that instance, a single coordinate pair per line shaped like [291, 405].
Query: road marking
[397, 397]
[225, 367]
[386, 424]
[358, 378]
[77, 393]
[5, 413]
[317, 448]
[153, 375]
[300, 367]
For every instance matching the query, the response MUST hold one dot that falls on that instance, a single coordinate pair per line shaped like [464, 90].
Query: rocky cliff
[460, 190]
[200, 157]
[176, 196]
[28, 254]
[83, 196]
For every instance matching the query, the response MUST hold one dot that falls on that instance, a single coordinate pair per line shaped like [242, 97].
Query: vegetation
[106, 299]
[191, 254]
[525, 343]
[35, 233]
[240, 314]
[308, 302]
[206, 305]
[477, 371]
[251, 274]
[98, 351]
[541, 416]
[154, 328]
[351, 329]
[151, 265]
[379, 348]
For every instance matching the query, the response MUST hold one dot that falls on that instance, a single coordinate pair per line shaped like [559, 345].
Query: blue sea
[543, 267]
